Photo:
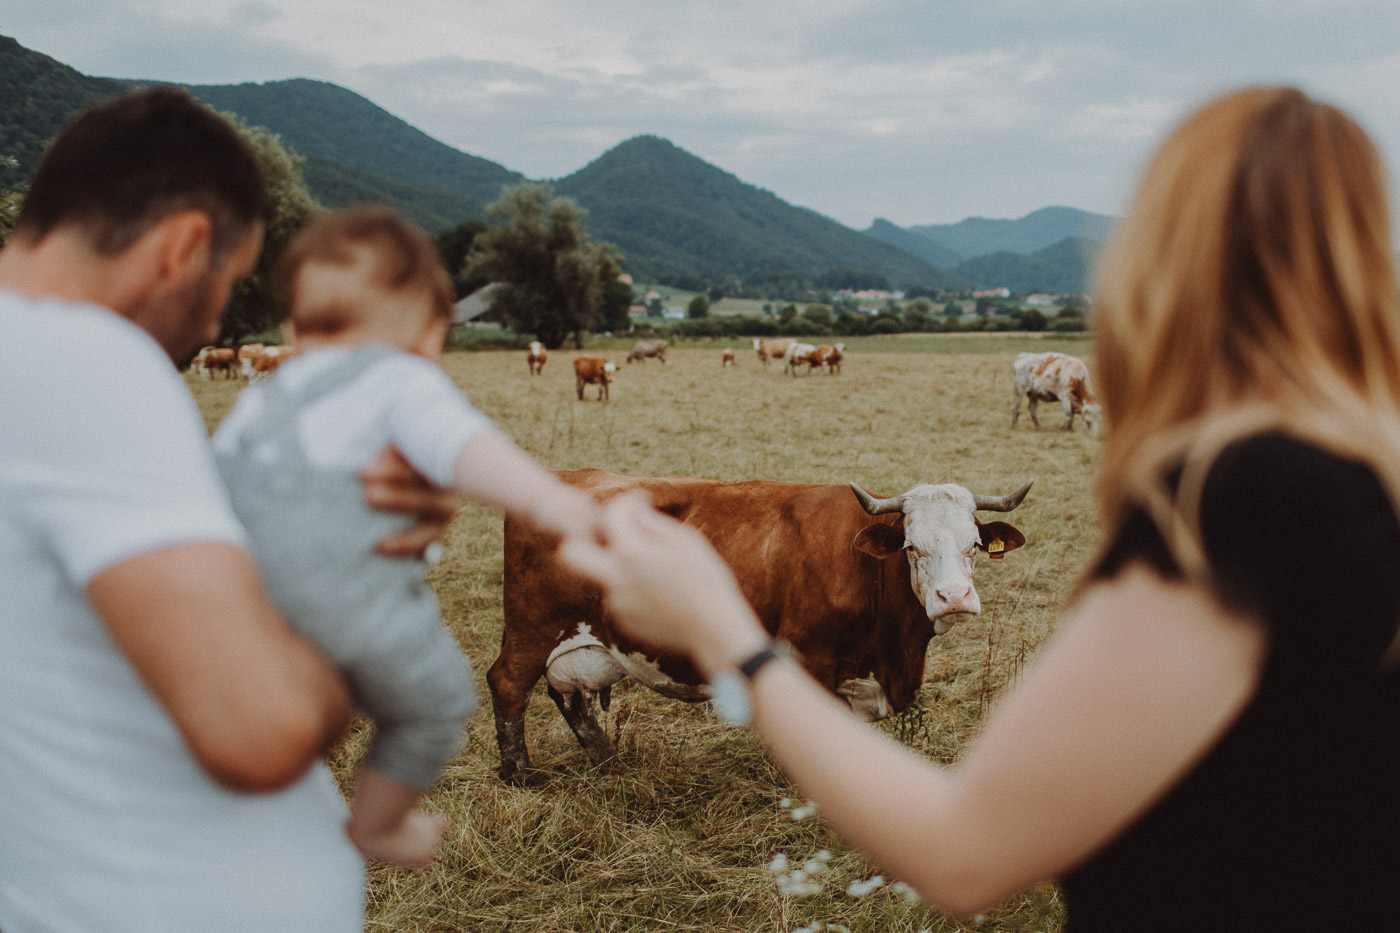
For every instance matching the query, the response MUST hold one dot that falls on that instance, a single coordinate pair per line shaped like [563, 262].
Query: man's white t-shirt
[400, 399]
[106, 821]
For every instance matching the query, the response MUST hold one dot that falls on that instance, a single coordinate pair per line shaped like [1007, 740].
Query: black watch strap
[756, 661]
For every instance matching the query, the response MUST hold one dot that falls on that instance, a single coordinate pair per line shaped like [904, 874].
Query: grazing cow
[833, 358]
[267, 362]
[645, 348]
[771, 349]
[799, 353]
[593, 369]
[210, 359]
[858, 596]
[246, 355]
[536, 357]
[727, 358]
[1050, 377]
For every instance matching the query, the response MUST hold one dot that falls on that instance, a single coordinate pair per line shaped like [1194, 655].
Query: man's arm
[255, 703]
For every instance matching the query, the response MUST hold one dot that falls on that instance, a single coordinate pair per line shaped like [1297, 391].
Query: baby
[370, 306]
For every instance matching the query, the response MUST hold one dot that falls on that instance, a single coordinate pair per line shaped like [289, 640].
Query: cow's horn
[1002, 503]
[878, 506]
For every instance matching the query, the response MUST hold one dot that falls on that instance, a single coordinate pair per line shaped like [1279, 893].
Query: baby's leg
[384, 825]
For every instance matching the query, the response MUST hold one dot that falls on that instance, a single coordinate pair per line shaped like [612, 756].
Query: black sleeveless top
[1292, 821]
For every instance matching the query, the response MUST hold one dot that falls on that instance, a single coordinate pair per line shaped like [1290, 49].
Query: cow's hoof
[511, 773]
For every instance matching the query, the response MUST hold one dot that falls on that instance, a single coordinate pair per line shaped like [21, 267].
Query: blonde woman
[1209, 741]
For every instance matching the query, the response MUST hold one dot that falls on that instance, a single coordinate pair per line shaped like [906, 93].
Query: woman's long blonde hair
[1249, 287]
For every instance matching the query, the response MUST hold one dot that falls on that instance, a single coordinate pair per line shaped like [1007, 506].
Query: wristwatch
[729, 688]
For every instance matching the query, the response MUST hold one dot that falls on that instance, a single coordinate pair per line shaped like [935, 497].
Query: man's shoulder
[44, 331]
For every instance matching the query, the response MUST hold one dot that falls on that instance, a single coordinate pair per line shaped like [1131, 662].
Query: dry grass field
[679, 837]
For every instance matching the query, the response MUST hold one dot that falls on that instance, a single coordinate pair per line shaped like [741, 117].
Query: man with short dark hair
[160, 726]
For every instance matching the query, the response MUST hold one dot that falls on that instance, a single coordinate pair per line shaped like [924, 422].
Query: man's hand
[393, 485]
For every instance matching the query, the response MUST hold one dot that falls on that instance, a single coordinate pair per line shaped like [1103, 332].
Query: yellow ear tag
[996, 549]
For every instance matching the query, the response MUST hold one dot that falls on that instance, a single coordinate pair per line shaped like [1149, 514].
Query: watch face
[729, 693]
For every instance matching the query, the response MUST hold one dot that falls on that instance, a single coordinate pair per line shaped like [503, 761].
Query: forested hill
[673, 214]
[979, 236]
[337, 125]
[37, 96]
[1058, 268]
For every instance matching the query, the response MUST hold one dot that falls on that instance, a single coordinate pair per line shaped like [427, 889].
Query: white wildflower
[903, 890]
[785, 802]
[779, 864]
[804, 811]
[823, 856]
[813, 867]
[862, 888]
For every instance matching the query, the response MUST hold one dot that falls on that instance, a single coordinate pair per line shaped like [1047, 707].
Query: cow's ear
[880, 540]
[998, 538]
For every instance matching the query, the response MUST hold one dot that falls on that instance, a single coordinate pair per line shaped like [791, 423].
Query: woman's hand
[665, 584]
[393, 485]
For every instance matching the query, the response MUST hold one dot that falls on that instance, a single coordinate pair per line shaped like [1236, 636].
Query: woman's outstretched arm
[1141, 679]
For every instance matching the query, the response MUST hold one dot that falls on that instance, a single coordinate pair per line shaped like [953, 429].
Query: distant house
[673, 313]
[993, 293]
[637, 311]
[651, 295]
[472, 308]
[625, 279]
[1040, 298]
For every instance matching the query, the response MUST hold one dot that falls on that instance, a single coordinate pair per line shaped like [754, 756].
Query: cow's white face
[1092, 414]
[610, 367]
[941, 538]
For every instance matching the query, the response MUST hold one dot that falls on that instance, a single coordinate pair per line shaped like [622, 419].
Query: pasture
[679, 837]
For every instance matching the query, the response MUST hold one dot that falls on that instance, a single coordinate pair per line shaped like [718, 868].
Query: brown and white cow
[833, 357]
[799, 353]
[246, 355]
[1051, 377]
[643, 349]
[771, 349]
[269, 360]
[593, 370]
[210, 359]
[536, 357]
[859, 585]
[726, 358]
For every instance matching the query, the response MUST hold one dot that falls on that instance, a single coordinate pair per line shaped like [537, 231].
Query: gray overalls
[313, 536]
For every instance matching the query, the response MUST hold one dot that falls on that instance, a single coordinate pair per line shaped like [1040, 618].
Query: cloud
[915, 110]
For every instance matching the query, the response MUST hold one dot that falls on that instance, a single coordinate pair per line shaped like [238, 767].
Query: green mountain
[675, 215]
[37, 96]
[924, 247]
[1063, 267]
[979, 236]
[336, 125]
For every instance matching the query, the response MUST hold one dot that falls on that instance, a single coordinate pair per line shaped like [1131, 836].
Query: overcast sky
[919, 112]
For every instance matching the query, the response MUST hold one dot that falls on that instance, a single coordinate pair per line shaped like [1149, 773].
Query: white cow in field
[1054, 377]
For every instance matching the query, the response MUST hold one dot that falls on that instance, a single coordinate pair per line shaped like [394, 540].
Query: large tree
[253, 308]
[553, 276]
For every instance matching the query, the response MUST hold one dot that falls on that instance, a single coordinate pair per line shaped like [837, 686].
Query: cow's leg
[1016, 396]
[511, 679]
[1068, 405]
[577, 710]
[580, 389]
[1032, 403]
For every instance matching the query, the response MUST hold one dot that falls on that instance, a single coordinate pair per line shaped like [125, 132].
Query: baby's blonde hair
[1249, 287]
[403, 259]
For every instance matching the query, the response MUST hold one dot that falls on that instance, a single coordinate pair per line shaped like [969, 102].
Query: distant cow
[727, 358]
[269, 360]
[210, 359]
[858, 596]
[536, 357]
[1051, 377]
[246, 355]
[771, 349]
[833, 357]
[595, 370]
[798, 354]
[647, 348]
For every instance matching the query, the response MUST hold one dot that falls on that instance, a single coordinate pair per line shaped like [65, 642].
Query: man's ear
[998, 538]
[185, 245]
[879, 540]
